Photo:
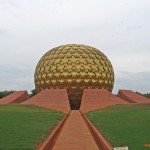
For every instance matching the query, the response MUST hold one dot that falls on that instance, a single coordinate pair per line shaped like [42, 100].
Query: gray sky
[119, 28]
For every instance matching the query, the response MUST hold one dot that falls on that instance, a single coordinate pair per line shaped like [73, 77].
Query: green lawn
[124, 125]
[24, 127]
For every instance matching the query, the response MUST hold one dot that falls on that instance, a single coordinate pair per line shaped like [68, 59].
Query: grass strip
[124, 125]
[23, 127]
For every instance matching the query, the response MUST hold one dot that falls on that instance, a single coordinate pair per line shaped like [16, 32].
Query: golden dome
[74, 67]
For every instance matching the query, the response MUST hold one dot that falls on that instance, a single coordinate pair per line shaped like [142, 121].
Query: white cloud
[29, 28]
[133, 81]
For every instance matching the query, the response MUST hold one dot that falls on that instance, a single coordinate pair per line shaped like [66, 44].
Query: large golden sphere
[74, 67]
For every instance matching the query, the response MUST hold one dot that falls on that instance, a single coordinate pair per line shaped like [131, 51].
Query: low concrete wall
[99, 139]
[49, 143]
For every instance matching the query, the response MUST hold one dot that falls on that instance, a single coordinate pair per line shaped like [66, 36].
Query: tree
[33, 92]
[146, 94]
[5, 93]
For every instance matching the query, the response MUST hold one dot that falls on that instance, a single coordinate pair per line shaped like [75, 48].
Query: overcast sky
[119, 28]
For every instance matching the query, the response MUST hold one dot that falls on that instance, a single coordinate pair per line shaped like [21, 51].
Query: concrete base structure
[15, 98]
[55, 99]
[98, 98]
[75, 133]
[132, 97]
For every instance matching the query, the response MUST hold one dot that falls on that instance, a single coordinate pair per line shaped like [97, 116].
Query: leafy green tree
[147, 95]
[5, 93]
[33, 92]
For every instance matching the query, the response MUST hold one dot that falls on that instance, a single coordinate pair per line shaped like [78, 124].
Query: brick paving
[75, 135]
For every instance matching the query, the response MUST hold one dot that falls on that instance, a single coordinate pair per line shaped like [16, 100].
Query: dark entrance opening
[75, 97]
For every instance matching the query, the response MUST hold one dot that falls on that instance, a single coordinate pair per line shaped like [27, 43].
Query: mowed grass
[124, 125]
[23, 127]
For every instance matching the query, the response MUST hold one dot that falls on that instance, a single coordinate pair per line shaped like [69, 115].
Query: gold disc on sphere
[74, 67]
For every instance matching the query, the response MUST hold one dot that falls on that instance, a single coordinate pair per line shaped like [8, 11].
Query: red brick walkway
[75, 135]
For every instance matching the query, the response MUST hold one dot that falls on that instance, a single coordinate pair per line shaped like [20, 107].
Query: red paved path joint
[75, 135]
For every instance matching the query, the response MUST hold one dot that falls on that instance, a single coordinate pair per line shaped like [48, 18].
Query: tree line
[7, 92]
[145, 95]
[34, 92]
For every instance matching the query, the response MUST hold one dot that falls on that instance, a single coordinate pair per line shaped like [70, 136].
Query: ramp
[132, 97]
[98, 98]
[15, 98]
[56, 99]
[75, 135]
